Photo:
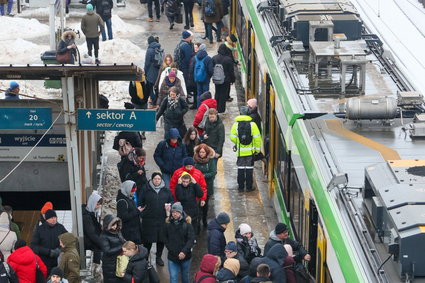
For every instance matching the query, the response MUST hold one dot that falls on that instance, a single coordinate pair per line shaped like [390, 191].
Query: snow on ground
[21, 28]
[20, 51]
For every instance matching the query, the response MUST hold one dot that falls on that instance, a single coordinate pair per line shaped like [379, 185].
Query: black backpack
[177, 53]
[244, 132]
[158, 57]
[106, 8]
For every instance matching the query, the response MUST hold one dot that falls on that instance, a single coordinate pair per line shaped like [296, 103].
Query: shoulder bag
[63, 58]
[39, 276]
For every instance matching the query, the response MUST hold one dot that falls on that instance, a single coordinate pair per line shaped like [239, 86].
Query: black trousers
[221, 93]
[204, 212]
[188, 7]
[159, 248]
[157, 8]
[93, 42]
[245, 172]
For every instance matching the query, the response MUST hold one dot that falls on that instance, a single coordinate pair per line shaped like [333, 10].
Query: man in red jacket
[189, 167]
[207, 102]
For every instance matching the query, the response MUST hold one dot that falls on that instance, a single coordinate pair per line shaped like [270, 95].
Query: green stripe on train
[339, 243]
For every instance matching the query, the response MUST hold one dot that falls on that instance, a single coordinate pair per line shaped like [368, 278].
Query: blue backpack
[210, 8]
[200, 70]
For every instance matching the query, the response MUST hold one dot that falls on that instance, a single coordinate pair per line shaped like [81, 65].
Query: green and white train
[343, 134]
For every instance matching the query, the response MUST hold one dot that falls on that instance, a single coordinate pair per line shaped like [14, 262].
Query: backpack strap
[123, 201]
[204, 277]
[7, 268]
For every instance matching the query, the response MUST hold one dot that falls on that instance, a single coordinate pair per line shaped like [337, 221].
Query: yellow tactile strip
[386, 152]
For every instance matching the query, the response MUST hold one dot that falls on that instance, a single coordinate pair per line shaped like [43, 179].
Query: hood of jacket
[68, 32]
[142, 254]
[225, 274]
[213, 225]
[211, 103]
[273, 236]
[69, 240]
[208, 263]
[233, 265]
[241, 118]
[206, 159]
[154, 45]
[4, 220]
[92, 201]
[109, 221]
[126, 187]
[184, 216]
[278, 254]
[22, 256]
[201, 54]
[152, 186]
[173, 133]
[223, 50]
[255, 262]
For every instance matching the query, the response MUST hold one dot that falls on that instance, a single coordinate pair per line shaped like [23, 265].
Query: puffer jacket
[255, 145]
[128, 213]
[65, 42]
[209, 65]
[215, 132]
[137, 267]
[210, 103]
[92, 25]
[151, 70]
[216, 239]
[169, 158]
[195, 173]
[173, 115]
[70, 259]
[224, 57]
[297, 248]
[188, 196]
[208, 167]
[179, 237]
[8, 238]
[23, 261]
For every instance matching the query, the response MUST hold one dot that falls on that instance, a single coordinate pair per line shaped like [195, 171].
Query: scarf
[170, 84]
[198, 158]
[173, 103]
[139, 89]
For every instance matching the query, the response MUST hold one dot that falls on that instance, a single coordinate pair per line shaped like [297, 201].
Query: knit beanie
[280, 228]
[231, 246]
[57, 271]
[177, 206]
[188, 161]
[243, 110]
[223, 218]
[206, 95]
[202, 47]
[172, 74]
[252, 103]
[244, 228]
[89, 7]
[186, 34]
[13, 85]
[49, 214]
[19, 244]
[154, 174]
[233, 38]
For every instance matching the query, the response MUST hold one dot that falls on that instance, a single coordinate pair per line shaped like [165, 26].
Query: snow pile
[133, 9]
[20, 51]
[22, 28]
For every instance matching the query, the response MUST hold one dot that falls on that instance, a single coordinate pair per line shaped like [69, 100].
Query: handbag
[122, 262]
[64, 58]
[152, 274]
[39, 276]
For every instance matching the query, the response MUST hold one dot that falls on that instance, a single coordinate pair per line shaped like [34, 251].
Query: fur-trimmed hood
[68, 32]
[188, 219]
[198, 159]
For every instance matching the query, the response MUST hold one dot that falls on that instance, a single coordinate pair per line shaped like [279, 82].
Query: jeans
[179, 267]
[218, 32]
[108, 24]
[150, 2]
[201, 88]
[93, 42]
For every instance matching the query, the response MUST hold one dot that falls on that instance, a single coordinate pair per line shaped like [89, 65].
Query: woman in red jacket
[23, 261]
[208, 268]
[200, 117]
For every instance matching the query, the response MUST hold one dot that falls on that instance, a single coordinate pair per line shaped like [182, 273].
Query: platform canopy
[56, 72]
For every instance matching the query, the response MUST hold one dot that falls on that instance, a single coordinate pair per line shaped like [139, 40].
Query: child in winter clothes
[56, 276]
[247, 244]
[208, 268]
[229, 271]
[70, 259]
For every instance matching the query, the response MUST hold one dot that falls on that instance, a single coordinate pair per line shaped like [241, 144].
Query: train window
[296, 204]
[240, 25]
[282, 164]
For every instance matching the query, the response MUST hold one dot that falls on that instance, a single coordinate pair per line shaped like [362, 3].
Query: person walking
[166, 72]
[112, 242]
[170, 81]
[92, 227]
[205, 162]
[224, 63]
[169, 155]
[183, 53]
[247, 243]
[128, 212]
[190, 140]
[179, 239]
[132, 167]
[216, 239]
[92, 26]
[187, 193]
[69, 259]
[12, 93]
[137, 268]
[172, 9]
[212, 13]
[173, 108]
[152, 65]
[24, 261]
[247, 139]
[166, 63]
[45, 240]
[9, 8]
[67, 44]
[155, 202]
[139, 93]
[157, 10]
[202, 71]
[104, 10]
[214, 133]
[188, 8]
[201, 116]
[207, 269]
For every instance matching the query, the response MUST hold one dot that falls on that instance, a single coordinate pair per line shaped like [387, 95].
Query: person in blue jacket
[185, 53]
[151, 69]
[12, 93]
[202, 57]
[169, 155]
[216, 239]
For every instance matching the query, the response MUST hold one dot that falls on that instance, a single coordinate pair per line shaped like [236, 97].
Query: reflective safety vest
[249, 149]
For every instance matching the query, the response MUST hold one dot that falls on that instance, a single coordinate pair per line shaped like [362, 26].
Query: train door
[268, 125]
[252, 68]
[233, 16]
[322, 271]
[312, 236]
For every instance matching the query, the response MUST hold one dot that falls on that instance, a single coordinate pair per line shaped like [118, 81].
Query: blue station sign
[25, 118]
[116, 120]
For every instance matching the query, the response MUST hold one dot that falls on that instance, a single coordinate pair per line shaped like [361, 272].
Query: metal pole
[62, 14]
[52, 24]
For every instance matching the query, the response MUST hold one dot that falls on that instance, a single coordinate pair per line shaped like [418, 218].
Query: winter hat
[20, 244]
[172, 74]
[151, 39]
[57, 271]
[202, 47]
[233, 265]
[206, 95]
[89, 7]
[186, 34]
[13, 85]
[231, 246]
[252, 103]
[243, 110]
[49, 214]
[48, 205]
[223, 218]
[154, 174]
[188, 161]
[177, 206]
[233, 38]
[280, 228]
[244, 228]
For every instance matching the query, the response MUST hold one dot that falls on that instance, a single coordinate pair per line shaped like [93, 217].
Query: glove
[55, 253]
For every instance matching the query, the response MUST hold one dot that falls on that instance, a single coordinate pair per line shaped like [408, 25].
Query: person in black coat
[112, 241]
[231, 251]
[128, 212]
[45, 240]
[222, 91]
[151, 70]
[253, 112]
[188, 8]
[216, 238]
[187, 192]
[154, 201]
[275, 258]
[139, 93]
[179, 238]
[169, 155]
[173, 108]
[92, 227]
[104, 10]
[132, 137]
[137, 268]
[132, 167]
[67, 44]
